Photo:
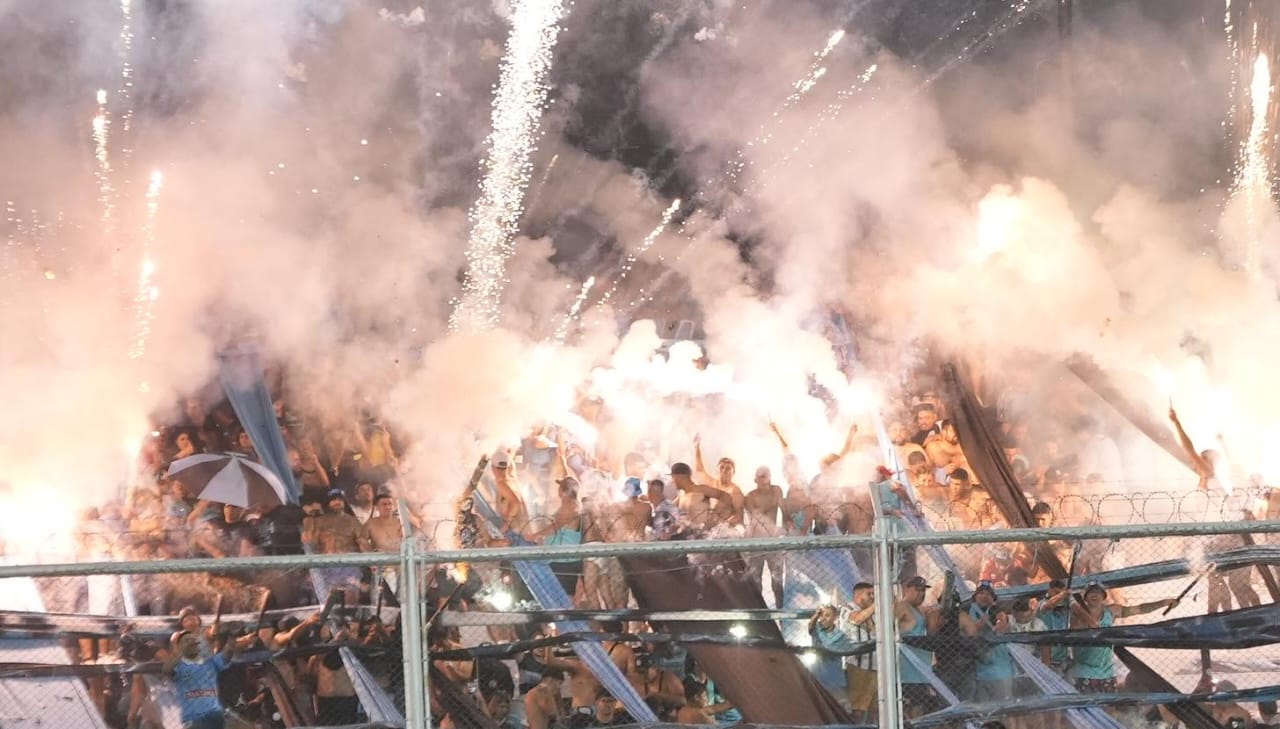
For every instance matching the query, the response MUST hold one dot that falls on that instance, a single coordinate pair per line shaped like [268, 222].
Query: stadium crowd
[551, 489]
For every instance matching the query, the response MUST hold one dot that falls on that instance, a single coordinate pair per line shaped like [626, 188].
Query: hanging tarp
[767, 685]
[985, 456]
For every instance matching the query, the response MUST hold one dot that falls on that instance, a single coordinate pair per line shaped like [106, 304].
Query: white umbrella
[229, 479]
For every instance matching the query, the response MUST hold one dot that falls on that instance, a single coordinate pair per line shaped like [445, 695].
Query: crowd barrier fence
[748, 623]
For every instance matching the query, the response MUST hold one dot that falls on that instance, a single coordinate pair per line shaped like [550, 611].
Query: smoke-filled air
[605, 231]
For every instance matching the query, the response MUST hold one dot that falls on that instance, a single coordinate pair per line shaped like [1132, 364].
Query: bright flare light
[1253, 178]
[809, 659]
[738, 631]
[517, 110]
[501, 599]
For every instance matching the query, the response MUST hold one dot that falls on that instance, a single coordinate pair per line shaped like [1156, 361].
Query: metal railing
[1164, 558]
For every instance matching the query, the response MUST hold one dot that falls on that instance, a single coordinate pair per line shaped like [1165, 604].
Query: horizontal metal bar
[461, 619]
[639, 549]
[166, 566]
[647, 549]
[1126, 531]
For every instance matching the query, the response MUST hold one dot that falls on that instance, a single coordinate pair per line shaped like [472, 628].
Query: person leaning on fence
[995, 664]
[1055, 612]
[1094, 667]
[860, 670]
[196, 680]
[917, 696]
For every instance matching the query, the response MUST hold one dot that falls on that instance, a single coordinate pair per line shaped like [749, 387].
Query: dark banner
[767, 685]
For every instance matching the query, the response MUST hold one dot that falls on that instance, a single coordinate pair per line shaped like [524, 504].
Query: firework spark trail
[562, 332]
[1253, 178]
[102, 173]
[145, 297]
[517, 110]
[126, 69]
[800, 88]
[645, 244]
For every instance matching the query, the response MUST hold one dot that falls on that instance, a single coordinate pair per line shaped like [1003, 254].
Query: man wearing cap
[1094, 667]
[196, 680]
[995, 664]
[1055, 612]
[917, 696]
[510, 507]
[336, 531]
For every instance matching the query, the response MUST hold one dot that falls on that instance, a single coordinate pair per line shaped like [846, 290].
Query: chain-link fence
[1072, 626]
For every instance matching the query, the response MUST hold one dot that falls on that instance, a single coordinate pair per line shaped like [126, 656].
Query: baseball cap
[501, 459]
[336, 493]
[681, 469]
[985, 586]
[916, 581]
[633, 488]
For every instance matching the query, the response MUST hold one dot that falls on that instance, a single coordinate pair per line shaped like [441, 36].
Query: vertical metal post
[887, 683]
[415, 685]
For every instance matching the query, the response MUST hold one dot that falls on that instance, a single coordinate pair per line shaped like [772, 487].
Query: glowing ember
[517, 109]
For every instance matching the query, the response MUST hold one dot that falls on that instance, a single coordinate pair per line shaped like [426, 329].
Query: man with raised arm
[510, 507]
[196, 680]
[1204, 462]
[798, 511]
[1094, 667]
[728, 505]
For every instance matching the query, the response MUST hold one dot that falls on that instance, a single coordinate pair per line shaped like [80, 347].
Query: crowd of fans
[551, 489]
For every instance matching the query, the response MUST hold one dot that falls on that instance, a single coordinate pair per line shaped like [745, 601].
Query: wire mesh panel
[164, 649]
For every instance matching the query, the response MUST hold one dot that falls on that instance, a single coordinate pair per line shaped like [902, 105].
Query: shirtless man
[583, 685]
[383, 533]
[542, 702]
[798, 510]
[510, 507]
[762, 507]
[944, 449]
[1204, 462]
[624, 523]
[902, 443]
[728, 507]
[650, 680]
[336, 531]
[335, 697]
[694, 500]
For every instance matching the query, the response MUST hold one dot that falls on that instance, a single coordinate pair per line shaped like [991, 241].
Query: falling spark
[574, 311]
[517, 110]
[644, 247]
[1253, 178]
[145, 297]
